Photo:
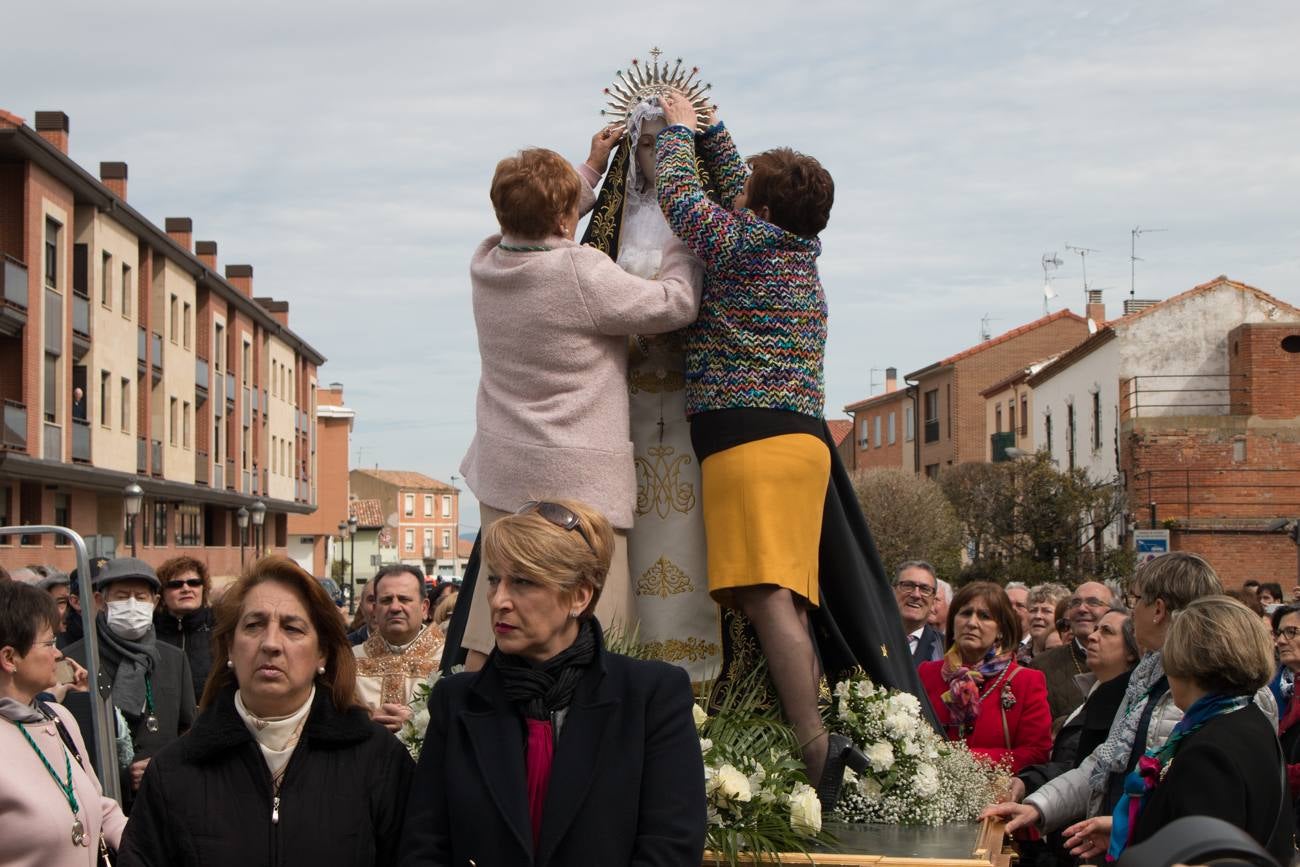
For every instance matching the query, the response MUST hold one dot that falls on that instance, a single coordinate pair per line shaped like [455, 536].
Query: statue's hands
[602, 145]
[678, 109]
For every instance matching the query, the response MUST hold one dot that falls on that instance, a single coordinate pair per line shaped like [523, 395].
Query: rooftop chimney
[53, 127]
[279, 310]
[891, 379]
[113, 176]
[241, 277]
[1096, 309]
[180, 230]
[207, 253]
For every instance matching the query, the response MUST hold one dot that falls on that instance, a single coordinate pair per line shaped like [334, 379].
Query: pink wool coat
[35, 821]
[552, 410]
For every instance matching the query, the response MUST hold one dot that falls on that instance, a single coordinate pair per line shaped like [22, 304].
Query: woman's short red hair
[532, 191]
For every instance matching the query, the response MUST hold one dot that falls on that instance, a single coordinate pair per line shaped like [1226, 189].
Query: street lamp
[132, 498]
[258, 514]
[241, 518]
[352, 564]
[343, 535]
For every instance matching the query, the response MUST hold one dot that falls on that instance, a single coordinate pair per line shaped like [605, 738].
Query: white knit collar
[274, 733]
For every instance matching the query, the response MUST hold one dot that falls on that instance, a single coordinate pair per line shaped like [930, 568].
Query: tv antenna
[1050, 262]
[1133, 257]
[871, 379]
[985, 331]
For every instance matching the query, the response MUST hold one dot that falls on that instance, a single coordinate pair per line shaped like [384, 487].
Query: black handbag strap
[64, 734]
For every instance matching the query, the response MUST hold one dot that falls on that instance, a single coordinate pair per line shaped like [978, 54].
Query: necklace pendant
[78, 833]
[151, 724]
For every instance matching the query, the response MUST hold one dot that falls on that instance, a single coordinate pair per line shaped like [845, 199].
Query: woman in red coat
[978, 691]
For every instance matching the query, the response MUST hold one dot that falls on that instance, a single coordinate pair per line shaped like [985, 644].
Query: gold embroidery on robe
[663, 579]
[659, 482]
[392, 669]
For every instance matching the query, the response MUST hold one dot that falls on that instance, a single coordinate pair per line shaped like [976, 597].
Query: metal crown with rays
[642, 81]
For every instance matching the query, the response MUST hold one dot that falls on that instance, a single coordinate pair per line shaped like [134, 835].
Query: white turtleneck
[275, 736]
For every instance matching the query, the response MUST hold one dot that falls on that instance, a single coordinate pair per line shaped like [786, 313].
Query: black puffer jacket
[193, 635]
[207, 798]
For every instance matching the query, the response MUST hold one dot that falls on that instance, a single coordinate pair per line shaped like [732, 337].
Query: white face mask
[130, 618]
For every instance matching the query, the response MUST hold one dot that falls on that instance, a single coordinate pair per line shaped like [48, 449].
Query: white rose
[420, 722]
[842, 690]
[805, 810]
[904, 703]
[864, 689]
[911, 748]
[869, 789]
[881, 756]
[700, 716]
[926, 781]
[732, 785]
[705, 745]
[898, 725]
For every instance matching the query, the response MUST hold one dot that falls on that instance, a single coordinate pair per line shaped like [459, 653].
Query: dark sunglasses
[560, 516]
[178, 583]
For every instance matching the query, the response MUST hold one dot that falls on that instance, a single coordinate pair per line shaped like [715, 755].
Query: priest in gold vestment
[402, 652]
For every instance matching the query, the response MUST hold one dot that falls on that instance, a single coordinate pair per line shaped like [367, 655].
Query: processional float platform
[965, 844]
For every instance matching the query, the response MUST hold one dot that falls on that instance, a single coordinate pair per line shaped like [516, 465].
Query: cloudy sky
[345, 150]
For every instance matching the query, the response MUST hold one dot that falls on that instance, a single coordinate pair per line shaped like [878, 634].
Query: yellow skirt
[763, 504]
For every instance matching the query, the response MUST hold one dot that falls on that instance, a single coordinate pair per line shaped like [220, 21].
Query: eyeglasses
[1091, 602]
[561, 516]
[178, 583]
[54, 641]
[1288, 632]
[908, 587]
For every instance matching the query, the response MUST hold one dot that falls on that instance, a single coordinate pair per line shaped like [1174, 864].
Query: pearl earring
[573, 614]
[320, 670]
[230, 663]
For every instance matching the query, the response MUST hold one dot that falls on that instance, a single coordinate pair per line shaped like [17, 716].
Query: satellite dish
[1092, 327]
[392, 520]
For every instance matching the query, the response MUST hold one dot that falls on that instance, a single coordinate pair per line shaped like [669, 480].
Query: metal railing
[201, 466]
[230, 387]
[218, 476]
[230, 474]
[80, 314]
[141, 455]
[81, 440]
[14, 435]
[998, 445]
[247, 483]
[13, 280]
[1180, 394]
[52, 443]
[201, 373]
[1224, 493]
[157, 349]
[142, 345]
[155, 457]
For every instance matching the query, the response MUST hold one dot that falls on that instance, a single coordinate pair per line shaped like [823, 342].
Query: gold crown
[642, 81]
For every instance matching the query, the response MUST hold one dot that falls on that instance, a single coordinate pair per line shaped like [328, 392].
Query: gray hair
[1017, 585]
[1049, 592]
[945, 589]
[916, 564]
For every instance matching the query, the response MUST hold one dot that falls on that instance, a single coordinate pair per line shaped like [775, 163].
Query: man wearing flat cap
[151, 682]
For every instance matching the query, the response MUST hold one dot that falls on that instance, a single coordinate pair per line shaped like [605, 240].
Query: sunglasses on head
[178, 583]
[561, 516]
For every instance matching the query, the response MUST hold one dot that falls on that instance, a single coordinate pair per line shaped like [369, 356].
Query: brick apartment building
[310, 534]
[946, 396]
[884, 428]
[425, 516]
[193, 388]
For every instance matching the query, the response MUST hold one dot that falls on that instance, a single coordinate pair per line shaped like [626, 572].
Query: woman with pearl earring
[278, 737]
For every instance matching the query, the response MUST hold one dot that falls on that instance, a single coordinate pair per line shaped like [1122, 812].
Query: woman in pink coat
[553, 321]
[979, 693]
[52, 810]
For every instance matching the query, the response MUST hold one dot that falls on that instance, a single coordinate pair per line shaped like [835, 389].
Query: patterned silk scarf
[1139, 784]
[964, 682]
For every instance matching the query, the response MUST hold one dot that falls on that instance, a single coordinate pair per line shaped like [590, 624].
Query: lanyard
[66, 788]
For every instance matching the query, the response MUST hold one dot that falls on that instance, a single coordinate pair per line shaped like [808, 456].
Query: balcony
[201, 379]
[1190, 394]
[141, 348]
[155, 458]
[80, 441]
[80, 325]
[230, 389]
[247, 486]
[13, 296]
[998, 445]
[257, 407]
[201, 466]
[247, 408]
[230, 474]
[141, 456]
[14, 434]
[219, 393]
[156, 355]
[52, 443]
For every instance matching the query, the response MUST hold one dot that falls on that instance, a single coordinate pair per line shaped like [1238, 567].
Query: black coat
[193, 635]
[1081, 735]
[626, 786]
[207, 799]
[929, 646]
[1230, 769]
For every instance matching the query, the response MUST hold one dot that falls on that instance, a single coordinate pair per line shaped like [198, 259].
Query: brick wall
[1242, 555]
[1264, 370]
[897, 455]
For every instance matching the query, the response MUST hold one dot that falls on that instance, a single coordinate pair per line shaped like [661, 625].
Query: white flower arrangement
[411, 734]
[916, 777]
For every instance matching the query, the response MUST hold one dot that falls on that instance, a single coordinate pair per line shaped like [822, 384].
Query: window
[932, 471]
[106, 281]
[410, 540]
[428, 505]
[997, 418]
[51, 389]
[174, 318]
[892, 432]
[446, 540]
[932, 415]
[1047, 432]
[124, 404]
[446, 506]
[1069, 433]
[428, 543]
[185, 424]
[408, 505]
[185, 320]
[909, 423]
[877, 426]
[189, 518]
[219, 347]
[1011, 416]
[126, 291]
[52, 230]
[174, 418]
[62, 514]
[1096, 421]
[247, 365]
[105, 380]
[1024, 416]
[159, 525]
[947, 394]
[864, 433]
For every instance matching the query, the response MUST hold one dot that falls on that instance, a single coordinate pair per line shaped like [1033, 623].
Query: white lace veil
[644, 232]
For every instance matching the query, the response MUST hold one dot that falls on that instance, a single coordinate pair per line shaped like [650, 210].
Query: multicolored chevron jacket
[760, 339]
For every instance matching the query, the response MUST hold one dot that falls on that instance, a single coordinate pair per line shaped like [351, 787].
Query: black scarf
[538, 689]
[132, 663]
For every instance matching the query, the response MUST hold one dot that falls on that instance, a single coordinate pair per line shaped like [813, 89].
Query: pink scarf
[964, 682]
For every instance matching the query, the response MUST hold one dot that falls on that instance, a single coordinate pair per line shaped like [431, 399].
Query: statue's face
[645, 148]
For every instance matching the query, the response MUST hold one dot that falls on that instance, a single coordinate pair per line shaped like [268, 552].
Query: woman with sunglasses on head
[1286, 641]
[557, 751]
[184, 615]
